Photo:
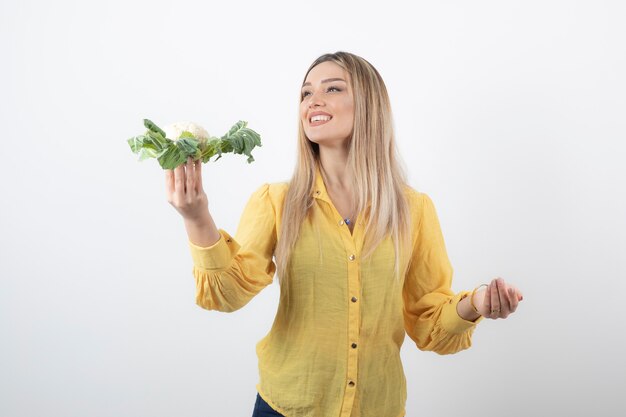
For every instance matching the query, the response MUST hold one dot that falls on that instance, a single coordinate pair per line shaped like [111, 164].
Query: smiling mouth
[320, 122]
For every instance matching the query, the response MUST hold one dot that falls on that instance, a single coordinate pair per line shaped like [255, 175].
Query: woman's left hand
[499, 300]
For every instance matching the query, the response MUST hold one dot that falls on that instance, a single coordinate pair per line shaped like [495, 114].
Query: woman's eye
[305, 93]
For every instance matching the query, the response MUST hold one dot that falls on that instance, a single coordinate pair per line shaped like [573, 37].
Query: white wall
[509, 114]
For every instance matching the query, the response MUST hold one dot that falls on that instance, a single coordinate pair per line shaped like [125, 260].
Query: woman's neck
[333, 163]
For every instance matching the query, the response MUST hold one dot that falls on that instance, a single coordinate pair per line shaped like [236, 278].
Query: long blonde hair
[378, 178]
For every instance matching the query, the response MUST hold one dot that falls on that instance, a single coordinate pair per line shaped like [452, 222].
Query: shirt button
[354, 346]
[340, 222]
[352, 257]
[351, 383]
[354, 299]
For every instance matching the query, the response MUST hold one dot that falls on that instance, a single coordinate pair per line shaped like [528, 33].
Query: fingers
[179, 182]
[513, 298]
[190, 178]
[184, 189]
[500, 299]
[505, 302]
[198, 171]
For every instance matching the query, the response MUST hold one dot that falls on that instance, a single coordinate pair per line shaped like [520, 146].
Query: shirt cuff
[216, 257]
[450, 319]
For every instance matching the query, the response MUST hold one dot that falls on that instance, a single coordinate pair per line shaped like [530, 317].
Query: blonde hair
[378, 178]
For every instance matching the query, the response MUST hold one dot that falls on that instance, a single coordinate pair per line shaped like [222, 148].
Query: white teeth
[319, 117]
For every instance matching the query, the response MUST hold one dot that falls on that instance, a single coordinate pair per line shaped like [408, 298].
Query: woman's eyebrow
[326, 81]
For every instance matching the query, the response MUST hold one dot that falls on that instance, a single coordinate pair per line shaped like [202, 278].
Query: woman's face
[326, 92]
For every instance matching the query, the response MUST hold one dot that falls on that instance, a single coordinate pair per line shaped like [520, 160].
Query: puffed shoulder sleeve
[234, 269]
[430, 315]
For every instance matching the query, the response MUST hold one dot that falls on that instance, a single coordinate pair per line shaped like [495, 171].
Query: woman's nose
[315, 100]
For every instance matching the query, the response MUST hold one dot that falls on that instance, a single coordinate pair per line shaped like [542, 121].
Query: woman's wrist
[477, 301]
[465, 310]
[202, 232]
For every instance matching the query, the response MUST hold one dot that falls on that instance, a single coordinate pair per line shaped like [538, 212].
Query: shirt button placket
[354, 313]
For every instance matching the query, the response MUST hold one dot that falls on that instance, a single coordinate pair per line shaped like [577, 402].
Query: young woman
[359, 255]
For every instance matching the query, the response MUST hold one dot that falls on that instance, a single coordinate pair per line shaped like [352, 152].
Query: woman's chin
[329, 142]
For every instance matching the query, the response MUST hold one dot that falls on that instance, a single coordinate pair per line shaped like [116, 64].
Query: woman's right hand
[184, 191]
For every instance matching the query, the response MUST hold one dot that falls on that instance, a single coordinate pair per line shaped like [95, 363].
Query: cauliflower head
[174, 130]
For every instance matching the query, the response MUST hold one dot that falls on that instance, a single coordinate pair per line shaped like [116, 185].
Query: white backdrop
[509, 114]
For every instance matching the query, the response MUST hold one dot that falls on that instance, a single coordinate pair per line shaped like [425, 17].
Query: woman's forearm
[202, 232]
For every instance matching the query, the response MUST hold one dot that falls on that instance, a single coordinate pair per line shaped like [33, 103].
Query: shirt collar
[319, 191]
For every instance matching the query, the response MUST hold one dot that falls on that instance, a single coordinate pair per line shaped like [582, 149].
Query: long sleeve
[430, 315]
[233, 270]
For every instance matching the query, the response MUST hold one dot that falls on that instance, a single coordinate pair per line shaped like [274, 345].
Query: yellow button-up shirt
[334, 347]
